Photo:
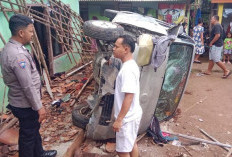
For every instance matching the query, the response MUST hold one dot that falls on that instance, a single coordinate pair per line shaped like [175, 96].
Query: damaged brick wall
[59, 44]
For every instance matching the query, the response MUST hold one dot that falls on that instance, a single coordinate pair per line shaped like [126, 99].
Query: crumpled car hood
[141, 21]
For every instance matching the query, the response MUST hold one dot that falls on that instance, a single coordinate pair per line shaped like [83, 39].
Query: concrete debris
[200, 74]
[103, 147]
[90, 149]
[176, 143]
[98, 151]
[5, 149]
[110, 147]
[205, 145]
[14, 148]
[10, 136]
[188, 92]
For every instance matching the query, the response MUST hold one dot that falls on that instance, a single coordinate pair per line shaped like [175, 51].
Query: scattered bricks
[95, 155]
[47, 139]
[4, 116]
[88, 148]
[110, 147]
[5, 149]
[14, 148]
[78, 153]
[97, 151]
[10, 136]
[3, 155]
[15, 155]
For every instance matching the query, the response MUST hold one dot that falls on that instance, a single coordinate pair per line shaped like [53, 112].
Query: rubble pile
[57, 127]
[97, 149]
[9, 135]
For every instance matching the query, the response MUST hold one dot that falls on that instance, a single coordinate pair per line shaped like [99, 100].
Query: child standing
[227, 48]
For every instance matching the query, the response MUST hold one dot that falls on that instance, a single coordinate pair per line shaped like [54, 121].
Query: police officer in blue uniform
[21, 76]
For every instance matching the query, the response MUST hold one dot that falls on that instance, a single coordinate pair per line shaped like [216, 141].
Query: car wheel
[79, 115]
[103, 30]
[110, 13]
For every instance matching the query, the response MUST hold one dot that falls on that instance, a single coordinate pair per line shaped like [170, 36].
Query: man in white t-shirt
[127, 110]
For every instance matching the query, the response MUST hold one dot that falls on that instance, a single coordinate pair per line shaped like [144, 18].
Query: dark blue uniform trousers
[30, 143]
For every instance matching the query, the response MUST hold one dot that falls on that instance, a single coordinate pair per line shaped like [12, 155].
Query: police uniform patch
[22, 64]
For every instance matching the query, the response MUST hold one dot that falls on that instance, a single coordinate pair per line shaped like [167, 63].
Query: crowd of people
[219, 45]
[216, 43]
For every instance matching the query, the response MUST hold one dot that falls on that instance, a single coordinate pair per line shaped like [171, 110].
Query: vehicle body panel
[140, 21]
[154, 85]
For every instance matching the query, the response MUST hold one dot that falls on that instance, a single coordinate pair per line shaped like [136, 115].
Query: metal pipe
[199, 139]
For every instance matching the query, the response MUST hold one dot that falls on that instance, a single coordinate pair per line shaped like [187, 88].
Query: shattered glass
[176, 75]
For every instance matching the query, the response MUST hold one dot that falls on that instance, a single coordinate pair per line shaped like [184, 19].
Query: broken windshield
[176, 74]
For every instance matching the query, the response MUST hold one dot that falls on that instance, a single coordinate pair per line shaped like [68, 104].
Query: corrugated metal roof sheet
[221, 1]
[132, 0]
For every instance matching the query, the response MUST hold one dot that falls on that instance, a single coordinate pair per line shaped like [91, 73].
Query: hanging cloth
[197, 16]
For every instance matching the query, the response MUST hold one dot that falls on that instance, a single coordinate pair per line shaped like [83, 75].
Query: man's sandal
[225, 76]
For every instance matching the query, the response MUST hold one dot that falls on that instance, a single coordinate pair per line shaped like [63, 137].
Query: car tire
[110, 13]
[103, 30]
[80, 120]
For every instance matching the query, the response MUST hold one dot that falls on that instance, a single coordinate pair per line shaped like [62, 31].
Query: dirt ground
[206, 104]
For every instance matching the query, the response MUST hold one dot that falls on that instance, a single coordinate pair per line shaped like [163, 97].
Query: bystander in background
[216, 47]
[227, 48]
[198, 32]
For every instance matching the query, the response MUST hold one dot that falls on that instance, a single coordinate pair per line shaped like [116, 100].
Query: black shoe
[49, 153]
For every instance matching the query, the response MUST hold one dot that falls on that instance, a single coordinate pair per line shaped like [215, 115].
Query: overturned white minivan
[161, 87]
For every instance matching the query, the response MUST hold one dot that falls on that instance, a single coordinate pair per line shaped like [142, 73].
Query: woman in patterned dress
[199, 40]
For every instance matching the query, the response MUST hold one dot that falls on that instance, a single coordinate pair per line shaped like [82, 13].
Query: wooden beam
[49, 45]
[41, 55]
[8, 125]
[76, 144]
[7, 18]
[3, 40]
[79, 68]
[61, 39]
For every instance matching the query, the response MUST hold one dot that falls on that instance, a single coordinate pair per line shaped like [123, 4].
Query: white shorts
[215, 53]
[126, 137]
